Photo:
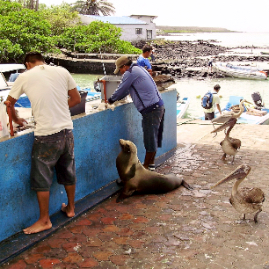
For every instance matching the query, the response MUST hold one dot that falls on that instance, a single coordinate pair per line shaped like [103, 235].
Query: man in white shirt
[51, 91]
[210, 113]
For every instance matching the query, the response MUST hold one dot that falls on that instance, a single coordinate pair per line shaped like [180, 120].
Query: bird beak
[239, 173]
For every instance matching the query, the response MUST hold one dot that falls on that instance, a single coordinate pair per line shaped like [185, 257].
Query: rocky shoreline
[179, 59]
[189, 59]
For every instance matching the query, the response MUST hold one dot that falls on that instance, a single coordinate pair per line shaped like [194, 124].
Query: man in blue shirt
[143, 59]
[137, 82]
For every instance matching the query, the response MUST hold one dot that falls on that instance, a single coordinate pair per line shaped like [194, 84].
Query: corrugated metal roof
[116, 20]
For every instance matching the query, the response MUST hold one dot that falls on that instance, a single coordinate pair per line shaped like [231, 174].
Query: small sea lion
[136, 178]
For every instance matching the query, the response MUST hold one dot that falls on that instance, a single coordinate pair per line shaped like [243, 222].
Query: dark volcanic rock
[179, 59]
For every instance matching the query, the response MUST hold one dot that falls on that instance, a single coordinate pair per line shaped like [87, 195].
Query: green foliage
[125, 47]
[6, 7]
[94, 7]
[60, 17]
[23, 30]
[95, 37]
[8, 50]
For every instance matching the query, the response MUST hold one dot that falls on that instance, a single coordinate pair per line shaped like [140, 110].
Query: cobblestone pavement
[180, 229]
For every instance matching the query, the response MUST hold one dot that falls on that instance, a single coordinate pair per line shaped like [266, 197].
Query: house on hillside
[134, 27]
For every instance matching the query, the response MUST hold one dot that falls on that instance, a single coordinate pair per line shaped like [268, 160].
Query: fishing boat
[182, 106]
[236, 71]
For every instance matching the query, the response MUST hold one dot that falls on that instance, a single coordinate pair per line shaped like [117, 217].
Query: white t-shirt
[47, 89]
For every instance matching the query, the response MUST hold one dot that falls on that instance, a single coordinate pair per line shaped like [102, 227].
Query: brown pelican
[244, 200]
[226, 115]
[230, 146]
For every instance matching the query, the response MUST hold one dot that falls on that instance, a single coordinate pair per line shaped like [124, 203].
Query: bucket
[79, 108]
[111, 82]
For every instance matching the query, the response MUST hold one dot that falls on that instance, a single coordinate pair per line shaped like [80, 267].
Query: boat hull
[230, 70]
[182, 107]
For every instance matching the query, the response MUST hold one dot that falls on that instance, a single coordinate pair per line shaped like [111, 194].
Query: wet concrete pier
[181, 229]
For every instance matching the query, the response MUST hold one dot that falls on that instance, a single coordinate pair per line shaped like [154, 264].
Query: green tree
[94, 7]
[95, 37]
[60, 17]
[22, 30]
[31, 4]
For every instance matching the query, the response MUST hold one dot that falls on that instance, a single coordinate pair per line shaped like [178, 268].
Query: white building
[134, 27]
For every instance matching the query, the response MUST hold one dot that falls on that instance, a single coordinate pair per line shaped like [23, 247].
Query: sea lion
[136, 178]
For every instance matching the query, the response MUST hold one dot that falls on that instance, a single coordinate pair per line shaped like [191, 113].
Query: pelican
[244, 200]
[229, 145]
[226, 115]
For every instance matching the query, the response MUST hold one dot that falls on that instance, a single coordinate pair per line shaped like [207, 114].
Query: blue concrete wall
[96, 148]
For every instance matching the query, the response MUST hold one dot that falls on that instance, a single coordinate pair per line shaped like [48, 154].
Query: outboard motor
[257, 99]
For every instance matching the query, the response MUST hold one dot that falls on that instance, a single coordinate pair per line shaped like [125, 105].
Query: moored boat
[182, 106]
[250, 115]
[246, 72]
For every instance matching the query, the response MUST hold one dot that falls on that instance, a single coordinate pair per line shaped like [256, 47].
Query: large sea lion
[136, 178]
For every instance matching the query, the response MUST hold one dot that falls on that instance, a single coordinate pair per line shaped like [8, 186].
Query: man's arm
[15, 118]
[123, 88]
[74, 97]
[218, 107]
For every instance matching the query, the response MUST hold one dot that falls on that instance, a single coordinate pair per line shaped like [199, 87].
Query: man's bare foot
[37, 227]
[69, 212]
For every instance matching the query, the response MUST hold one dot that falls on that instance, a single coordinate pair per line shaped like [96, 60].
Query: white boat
[182, 106]
[261, 117]
[23, 101]
[237, 71]
[5, 85]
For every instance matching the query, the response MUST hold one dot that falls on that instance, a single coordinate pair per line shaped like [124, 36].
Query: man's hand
[10, 103]
[21, 121]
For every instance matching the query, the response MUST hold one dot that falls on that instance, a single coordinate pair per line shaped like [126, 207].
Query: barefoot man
[51, 90]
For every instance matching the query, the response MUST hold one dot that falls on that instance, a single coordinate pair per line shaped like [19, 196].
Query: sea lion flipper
[125, 193]
[186, 185]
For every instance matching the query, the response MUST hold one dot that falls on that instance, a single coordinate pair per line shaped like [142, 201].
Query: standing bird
[244, 200]
[229, 145]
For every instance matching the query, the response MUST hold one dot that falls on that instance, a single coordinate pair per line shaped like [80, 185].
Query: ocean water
[195, 89]
[233, 39]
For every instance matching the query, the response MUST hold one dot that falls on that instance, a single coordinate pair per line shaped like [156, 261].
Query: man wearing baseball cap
[137, 82]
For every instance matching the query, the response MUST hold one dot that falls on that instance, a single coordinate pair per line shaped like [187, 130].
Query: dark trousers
[209, 116]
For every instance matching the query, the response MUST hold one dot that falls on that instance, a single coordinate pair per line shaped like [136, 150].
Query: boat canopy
[11, 67]
[3, 82]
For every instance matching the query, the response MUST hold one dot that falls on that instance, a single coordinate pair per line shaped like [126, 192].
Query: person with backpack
[210, 101]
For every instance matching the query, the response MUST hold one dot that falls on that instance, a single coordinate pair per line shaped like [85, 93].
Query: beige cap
[120, 62]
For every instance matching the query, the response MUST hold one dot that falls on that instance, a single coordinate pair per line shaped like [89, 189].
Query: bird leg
[233, 159]
[223, 157]
[256, 216]
[244, 217]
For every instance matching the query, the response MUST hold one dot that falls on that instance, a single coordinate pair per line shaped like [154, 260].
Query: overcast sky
[238, 15]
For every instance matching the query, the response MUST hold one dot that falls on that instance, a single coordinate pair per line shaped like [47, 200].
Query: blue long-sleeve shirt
[137, 82]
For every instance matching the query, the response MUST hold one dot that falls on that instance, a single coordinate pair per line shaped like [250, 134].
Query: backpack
[207, 100]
